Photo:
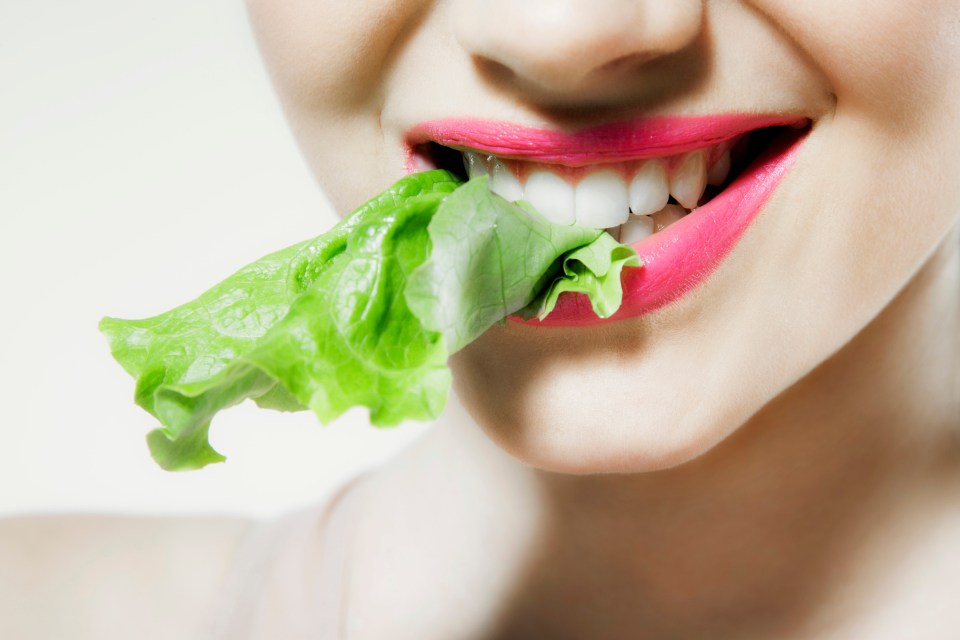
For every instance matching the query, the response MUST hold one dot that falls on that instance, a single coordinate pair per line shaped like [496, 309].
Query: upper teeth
[604, 196]
[689, 180]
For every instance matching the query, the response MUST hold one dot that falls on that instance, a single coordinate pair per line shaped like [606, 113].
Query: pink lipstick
[678, 258]
[614, 142]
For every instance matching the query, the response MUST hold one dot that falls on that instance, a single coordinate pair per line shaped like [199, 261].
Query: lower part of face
[867, 202]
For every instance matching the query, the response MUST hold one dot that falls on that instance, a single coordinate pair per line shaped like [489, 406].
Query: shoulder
[426, 559]
[111, 576]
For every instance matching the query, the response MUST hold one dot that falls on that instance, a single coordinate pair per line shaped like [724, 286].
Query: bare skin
[773, 456]
[103, 577]
[456, 539]
[833, 513]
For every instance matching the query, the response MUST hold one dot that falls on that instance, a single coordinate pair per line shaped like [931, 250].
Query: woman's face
[868, 199]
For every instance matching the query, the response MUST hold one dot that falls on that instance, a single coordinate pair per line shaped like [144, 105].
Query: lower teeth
[639, 227]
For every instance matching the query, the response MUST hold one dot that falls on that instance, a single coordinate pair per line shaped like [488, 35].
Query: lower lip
[677, 259]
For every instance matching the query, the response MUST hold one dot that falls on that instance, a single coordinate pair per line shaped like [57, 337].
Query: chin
[532, 398]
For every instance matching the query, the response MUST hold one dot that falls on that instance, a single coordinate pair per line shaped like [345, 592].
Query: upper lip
[614, 142]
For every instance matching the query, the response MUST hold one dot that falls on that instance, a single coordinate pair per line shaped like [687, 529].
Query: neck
[862, 449]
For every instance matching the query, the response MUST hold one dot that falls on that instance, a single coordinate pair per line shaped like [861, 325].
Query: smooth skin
[774, 455]
[785, 437]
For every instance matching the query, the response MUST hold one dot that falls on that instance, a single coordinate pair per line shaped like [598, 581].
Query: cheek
[886, 186]
[330, 62]
[324, 53]
[881, 55]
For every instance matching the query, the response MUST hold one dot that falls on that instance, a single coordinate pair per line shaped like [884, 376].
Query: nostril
[628, 63]
[578, 50]
[494, 71]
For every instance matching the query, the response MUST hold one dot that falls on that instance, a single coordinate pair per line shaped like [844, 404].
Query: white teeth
[551, 195]
[670, 214]
[504, 183]
[604, 196]
[649, 189]
[601, 200]
[474, 165]
[635, 229]
[720, 170]
[690, 179]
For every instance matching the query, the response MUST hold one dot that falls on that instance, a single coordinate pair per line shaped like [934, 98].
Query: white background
[143, 158]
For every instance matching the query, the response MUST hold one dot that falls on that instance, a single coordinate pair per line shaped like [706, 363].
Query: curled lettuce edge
[202, 357]
[363, 315]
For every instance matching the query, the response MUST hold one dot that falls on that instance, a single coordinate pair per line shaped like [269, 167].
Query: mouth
[680, 191]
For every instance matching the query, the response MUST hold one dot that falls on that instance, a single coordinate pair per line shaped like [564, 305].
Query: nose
[566, 46]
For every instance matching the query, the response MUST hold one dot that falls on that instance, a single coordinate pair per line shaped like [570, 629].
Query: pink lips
[684, 254]
[631, 140]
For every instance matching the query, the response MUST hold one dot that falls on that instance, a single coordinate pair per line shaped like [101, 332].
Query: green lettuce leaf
[593, 269]
[490, 258]
[364, 315]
